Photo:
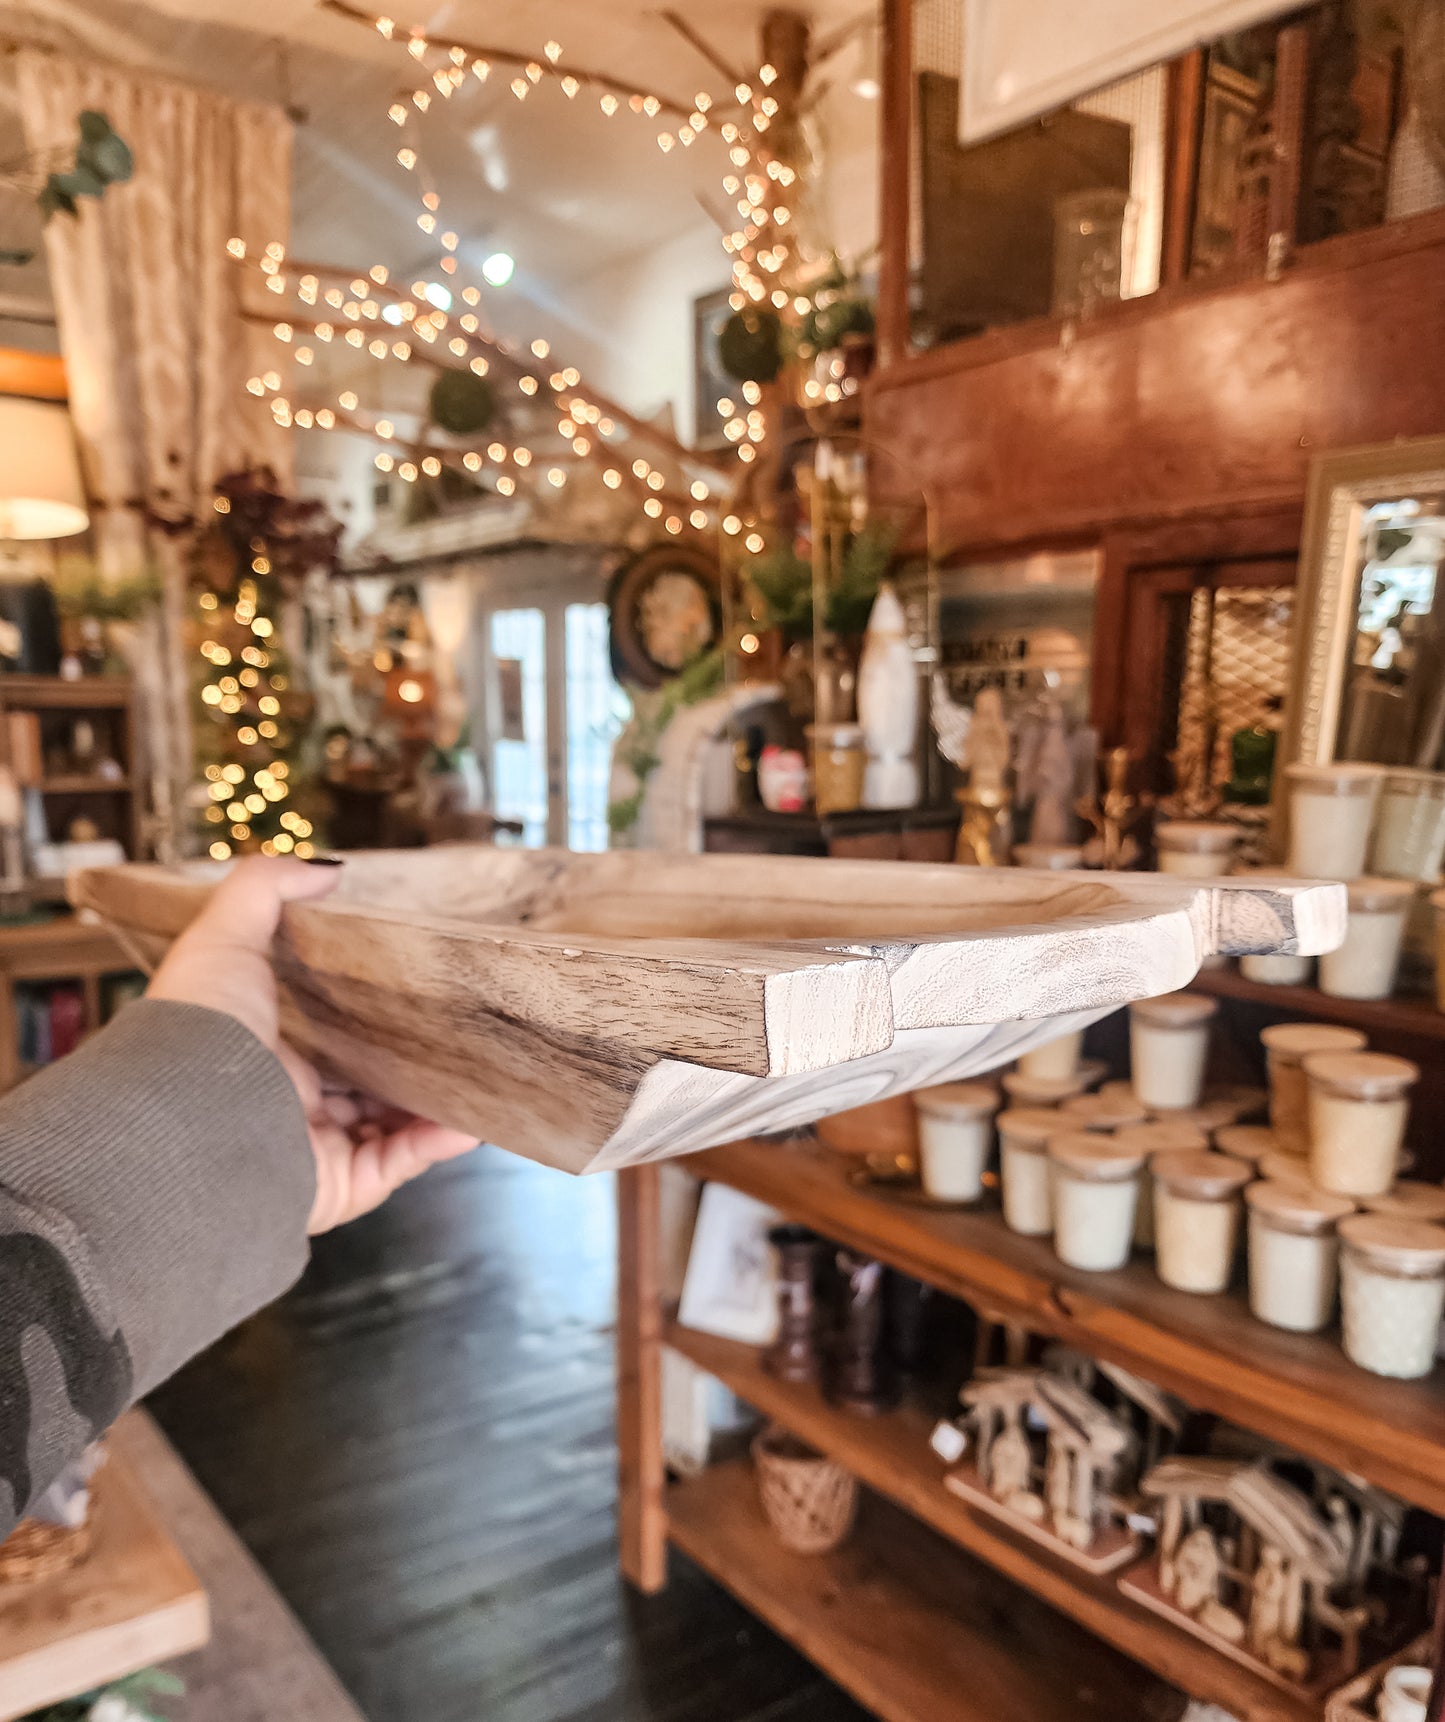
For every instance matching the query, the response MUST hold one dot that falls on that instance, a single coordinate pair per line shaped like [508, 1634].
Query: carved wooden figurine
[1051, 1458]
[1249, 1562]
[1112, 816]
[984, 834]
[1052, 782]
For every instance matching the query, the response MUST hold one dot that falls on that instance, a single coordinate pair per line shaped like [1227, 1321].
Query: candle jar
[1285, 1045]
[1057, 1057]
[1048, 857]
[1168, 1043]
[1023, 1139]
[1249, 1142]
[1095, 1190]
[1392, 1293]
[955, 1135]
[1277, 971]
[1358, 1103]
[1152, 1139]
[1410, 825]
[1196, 1217]
[838, 758]
[1364, 966]
[1199, 849]
[1293, 1254]
[1102, 1111]
[1036, 1091]
[1409, 1201]
[1331, 812]
[1291, 1170]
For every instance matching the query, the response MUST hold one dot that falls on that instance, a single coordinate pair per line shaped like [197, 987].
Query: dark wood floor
[417, 1444]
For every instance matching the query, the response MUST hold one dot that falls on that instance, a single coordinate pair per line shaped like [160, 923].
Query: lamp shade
[41, 495]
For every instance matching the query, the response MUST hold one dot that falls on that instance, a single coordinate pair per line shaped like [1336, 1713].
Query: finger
[247, 906]
[421, 1144]
[304, 1077]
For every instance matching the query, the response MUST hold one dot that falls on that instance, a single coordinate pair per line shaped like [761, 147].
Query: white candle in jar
[1168, 1044]
[1151, 1139]
[1331, 812]
[1023, 1139]
[1249, 1142]
[1277, 971]
[1364, 966]
[1196, 1217]
[1285, 1045]
[955, 1137]
[1095, 1188]
[1048, 857]
[1198, 849]
[1102, 1112]
[1033, 1091]
[1408, 1200]
[1358, 1104]
[1392, 1293]
[1055, 1058]
[1293, 1253]
[1410, 825]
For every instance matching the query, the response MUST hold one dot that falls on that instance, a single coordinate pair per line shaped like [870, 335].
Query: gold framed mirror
[1368, 680]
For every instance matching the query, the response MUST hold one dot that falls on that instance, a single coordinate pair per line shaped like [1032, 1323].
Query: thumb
[246, 908]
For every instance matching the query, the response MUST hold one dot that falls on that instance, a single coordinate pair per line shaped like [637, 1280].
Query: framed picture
[731, 1283]
[1231, 103]
[710, 383]
[664, 607]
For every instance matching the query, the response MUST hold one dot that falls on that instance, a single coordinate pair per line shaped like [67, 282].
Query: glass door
[552, 711]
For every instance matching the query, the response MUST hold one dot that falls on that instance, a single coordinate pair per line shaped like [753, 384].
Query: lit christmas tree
[252, 716]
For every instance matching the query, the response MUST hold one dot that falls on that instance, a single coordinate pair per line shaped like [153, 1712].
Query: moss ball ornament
[462, 403]
[750, 345]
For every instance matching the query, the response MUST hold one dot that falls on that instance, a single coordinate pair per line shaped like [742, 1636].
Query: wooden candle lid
[1335, 779]
[1291, 1208]
[1200, 1174]
[1174, 1010]
[958, 1100]
[1408, 1201]
[1208, 1116]
[1042, 1090]
[1102, 1112]
[1379, 896]
[1118, 1089]
[1247, 1100]
[1412, 1249]
[1289, 1042]
[1196, 836]
[1096, 1158]
[1290, 1169]
[1360, 1075]
[1162, 1138]
[1247, 1141]
[1030, 1127]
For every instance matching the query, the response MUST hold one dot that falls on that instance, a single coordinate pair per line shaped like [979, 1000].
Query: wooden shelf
[130, 1602]
[56, 693]
[913, 1628]
[1300, 1389]
[85, 783]
[1396, 1016]
[890, 1454]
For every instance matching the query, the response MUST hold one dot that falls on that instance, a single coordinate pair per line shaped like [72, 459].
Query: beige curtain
[157, 347]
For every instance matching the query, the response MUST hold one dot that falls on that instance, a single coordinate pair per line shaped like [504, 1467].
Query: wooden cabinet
[1299, 1390]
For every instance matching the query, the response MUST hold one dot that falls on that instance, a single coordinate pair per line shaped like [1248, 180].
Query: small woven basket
[809, 1501]
[35, 1550]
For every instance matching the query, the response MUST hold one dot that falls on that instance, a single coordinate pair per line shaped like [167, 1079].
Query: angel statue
[976, 741]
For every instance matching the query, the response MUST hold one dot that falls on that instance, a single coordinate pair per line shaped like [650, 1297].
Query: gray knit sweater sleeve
[154, 1191]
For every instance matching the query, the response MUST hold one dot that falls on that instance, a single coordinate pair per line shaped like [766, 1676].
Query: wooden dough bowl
[596, 1011]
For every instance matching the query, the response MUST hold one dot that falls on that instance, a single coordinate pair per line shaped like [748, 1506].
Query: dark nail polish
[325, 860]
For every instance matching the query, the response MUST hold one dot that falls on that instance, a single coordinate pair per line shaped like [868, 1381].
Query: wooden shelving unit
[1300, 1390]
[890, 1454]
[912, 1627]
[1415, 1017]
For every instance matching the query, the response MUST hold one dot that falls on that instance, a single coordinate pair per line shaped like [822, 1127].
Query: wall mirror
[1369, 661]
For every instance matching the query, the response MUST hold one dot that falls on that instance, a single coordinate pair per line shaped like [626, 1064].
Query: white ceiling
[563, 188]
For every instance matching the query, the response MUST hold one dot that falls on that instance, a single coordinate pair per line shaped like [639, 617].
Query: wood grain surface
[599, 1011]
